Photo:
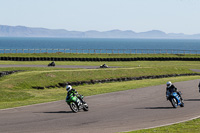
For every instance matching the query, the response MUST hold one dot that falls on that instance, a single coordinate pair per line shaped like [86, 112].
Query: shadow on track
[191, 99]
[59, 112]
[156, 108]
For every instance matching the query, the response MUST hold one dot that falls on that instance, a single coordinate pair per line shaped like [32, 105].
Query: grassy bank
[42, 78]
[32, 96]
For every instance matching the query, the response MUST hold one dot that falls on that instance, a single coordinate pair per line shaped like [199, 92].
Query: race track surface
[112, 112]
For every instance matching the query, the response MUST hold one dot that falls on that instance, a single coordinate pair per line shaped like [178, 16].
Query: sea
[16, 44]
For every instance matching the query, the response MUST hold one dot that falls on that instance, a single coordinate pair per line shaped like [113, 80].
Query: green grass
[185, 127]
[74, 55]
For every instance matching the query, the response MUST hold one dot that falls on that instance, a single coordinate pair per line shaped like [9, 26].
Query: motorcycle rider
[70, 91]
[171, 88]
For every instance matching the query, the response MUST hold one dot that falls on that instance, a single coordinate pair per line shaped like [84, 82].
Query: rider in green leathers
[73, 92]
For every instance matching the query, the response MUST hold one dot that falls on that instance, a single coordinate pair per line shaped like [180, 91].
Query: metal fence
[102, 51]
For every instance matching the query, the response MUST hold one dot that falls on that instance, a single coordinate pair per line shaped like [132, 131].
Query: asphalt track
[112, 112]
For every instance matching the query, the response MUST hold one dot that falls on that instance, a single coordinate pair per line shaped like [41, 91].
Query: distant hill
[22, 31]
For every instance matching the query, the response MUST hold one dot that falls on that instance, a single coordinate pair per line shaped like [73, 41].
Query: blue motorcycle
[175, 99]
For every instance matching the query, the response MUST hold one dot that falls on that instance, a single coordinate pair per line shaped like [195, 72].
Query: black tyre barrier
[99, 59]
[24, 59]
[52, 59]
[62, 59]
[55, 59]
[80, 59]
[3, 73]
[41, 59]
[72, 59]
[34, 59]
[12, 58]
[17, 58]
[37, 87]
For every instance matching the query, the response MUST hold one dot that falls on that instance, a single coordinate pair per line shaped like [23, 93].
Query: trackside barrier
[102, 51]
[98, 59]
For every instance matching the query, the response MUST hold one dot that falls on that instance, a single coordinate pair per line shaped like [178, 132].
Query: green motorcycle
[76, 102]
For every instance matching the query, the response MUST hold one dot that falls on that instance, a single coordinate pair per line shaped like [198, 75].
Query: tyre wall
[98, 59]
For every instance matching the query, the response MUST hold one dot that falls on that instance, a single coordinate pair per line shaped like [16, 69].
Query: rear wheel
[174, 102]
[73, 107]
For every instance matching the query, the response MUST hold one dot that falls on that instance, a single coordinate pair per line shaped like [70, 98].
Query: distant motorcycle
[52, 64]
[76, 103]
[175, 99]
[104, 66]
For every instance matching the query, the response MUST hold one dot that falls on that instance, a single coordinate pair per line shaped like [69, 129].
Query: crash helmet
[68, 87]
[169, 83]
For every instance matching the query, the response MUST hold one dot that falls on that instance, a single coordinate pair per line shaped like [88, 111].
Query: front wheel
[182, 104]
[85, 107]
[174, 102]
[73, 107]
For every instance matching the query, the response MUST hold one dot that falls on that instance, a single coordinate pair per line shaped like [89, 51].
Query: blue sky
[177, 16]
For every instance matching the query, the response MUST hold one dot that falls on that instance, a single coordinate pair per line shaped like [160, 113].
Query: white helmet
[68, 87]
[169, 83]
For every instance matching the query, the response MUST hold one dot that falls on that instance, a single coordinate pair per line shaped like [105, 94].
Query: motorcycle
[104, 66]
[175, 99]
[76, 103]
[52, 64]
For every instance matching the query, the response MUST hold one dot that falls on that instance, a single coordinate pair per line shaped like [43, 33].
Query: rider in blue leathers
[171, 88]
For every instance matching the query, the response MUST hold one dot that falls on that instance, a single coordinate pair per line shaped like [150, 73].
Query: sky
[170, 16]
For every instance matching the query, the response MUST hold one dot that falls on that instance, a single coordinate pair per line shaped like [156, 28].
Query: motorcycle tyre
[182, 104]
[174, 102]
[74, 107]
[85, 107]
